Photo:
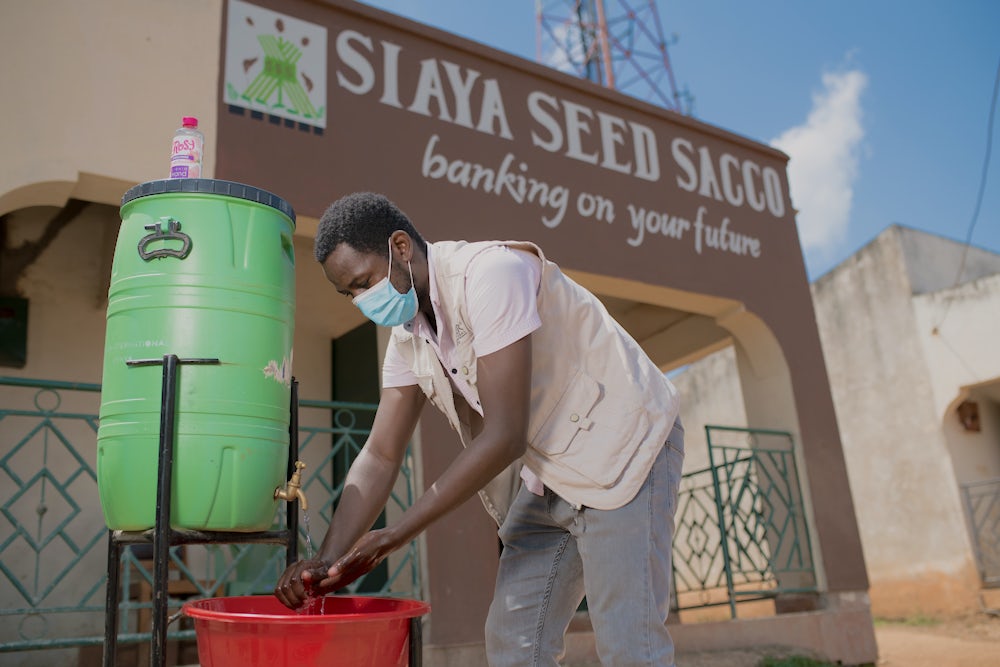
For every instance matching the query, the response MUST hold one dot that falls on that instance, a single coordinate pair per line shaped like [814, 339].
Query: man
[533, 373]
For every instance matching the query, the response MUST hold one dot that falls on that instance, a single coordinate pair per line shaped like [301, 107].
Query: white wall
[958, 331]
[66, 292]
[710, 394]
[898, 463]
[83, 120]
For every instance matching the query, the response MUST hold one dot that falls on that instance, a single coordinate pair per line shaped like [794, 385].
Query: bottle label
[185, 145]
[187, 148]
[185, 156]
[185, 171]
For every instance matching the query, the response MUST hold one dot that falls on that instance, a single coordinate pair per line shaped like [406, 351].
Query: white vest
[600, 408]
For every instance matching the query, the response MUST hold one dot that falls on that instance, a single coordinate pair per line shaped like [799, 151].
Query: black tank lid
[210, 186]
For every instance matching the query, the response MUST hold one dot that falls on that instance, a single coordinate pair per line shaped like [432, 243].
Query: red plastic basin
[259, 631]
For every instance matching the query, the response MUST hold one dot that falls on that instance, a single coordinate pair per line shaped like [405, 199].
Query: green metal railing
[55, 537]
[982, 506]
[741, 531]
[49, 491]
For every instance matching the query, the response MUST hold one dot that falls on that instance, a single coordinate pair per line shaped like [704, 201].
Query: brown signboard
[475, 144]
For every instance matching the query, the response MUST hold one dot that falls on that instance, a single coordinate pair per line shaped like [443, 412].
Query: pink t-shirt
[501, 290]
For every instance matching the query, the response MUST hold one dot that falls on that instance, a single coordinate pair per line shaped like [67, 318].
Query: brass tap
[294, 489]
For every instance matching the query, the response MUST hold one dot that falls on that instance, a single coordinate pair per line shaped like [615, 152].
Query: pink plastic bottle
[188, 150]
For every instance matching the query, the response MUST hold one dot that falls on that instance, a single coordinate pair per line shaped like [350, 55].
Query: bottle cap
[189, 121]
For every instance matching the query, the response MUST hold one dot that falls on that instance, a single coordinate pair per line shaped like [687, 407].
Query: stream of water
[309, 540]
[313, 604]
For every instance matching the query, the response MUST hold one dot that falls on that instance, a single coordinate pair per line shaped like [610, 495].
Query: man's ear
[402, 245]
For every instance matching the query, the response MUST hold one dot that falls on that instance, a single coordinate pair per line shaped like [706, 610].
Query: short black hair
[364, 221]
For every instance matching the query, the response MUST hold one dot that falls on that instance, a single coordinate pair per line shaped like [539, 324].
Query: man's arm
[373, 473]
[504, 384]
[366, 489]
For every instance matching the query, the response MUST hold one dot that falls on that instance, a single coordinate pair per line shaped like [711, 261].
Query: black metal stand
[416, 642]
[163, 536]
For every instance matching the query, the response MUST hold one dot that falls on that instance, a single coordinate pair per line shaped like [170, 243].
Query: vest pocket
[590, 433]
[426, 384]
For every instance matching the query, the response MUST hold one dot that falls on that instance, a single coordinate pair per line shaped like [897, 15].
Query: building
[908, 325]
[685, 230]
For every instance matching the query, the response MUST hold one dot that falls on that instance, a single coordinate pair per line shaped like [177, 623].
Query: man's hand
[300, 581]
[362, 558]
[313, 578]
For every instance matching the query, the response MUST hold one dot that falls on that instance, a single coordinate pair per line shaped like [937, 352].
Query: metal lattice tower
[618, 44]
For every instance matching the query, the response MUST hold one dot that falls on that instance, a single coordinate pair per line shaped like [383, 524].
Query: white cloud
[823, 160]
[564, 49]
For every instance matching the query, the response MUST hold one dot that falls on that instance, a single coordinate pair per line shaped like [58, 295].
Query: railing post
[723, 531]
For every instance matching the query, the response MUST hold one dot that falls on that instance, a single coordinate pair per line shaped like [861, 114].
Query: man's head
[364, 239]
[364, 221]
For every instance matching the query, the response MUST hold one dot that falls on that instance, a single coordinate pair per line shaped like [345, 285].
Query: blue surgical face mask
[383, 305]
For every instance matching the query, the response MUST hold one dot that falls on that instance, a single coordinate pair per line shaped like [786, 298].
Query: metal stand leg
[163, 536]
[416, 642]
[292, 510]
[111, 604]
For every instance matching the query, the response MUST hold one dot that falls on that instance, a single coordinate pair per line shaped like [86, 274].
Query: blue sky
[882, 105]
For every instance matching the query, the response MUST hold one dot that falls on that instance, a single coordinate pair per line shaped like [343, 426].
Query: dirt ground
[972, 641]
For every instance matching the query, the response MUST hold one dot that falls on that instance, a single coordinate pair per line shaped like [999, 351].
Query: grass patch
[794, 661]
[918, 621]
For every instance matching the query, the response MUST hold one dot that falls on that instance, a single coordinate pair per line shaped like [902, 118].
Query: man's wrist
[399, 535]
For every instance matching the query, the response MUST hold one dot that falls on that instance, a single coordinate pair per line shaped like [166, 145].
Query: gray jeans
[554, 554]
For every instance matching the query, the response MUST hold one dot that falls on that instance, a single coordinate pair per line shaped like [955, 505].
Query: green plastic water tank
[203, 269]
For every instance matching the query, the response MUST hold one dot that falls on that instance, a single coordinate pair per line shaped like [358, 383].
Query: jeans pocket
[675, 440]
